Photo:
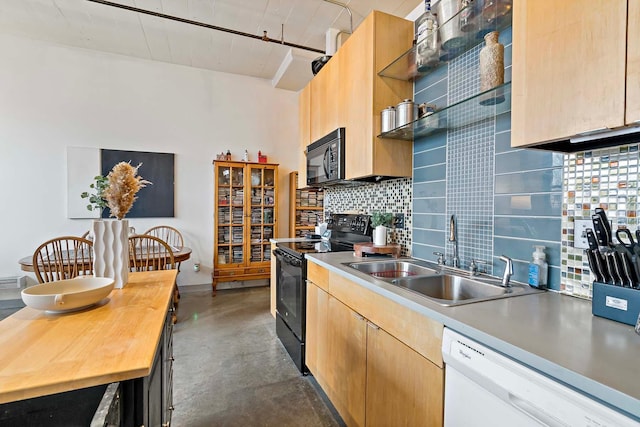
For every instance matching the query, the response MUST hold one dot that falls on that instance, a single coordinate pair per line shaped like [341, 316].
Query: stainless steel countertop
[551, 333]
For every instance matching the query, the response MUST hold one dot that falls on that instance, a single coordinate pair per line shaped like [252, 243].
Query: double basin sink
[447, 287]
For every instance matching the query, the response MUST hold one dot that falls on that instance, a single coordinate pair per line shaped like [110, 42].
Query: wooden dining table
[179, 255]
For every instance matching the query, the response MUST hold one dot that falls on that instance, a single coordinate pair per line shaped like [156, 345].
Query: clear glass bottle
[427, 39]
[467, 16]
[494, 12]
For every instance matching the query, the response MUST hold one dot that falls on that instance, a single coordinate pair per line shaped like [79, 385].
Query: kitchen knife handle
[605, 224]
[629, 272]
[611, 265]
[601, 233]
[602, 265]
[591, 239]
[593, 265]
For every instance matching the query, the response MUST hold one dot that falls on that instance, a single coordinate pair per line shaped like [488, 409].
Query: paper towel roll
[321, 228]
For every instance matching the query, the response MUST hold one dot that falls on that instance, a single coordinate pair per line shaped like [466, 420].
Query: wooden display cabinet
[245, 218]
[305, 208]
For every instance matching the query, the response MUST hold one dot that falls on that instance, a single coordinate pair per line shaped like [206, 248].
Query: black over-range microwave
[325, 159]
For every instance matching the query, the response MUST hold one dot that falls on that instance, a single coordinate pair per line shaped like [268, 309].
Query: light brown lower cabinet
[403, 388]
[347, 362]
[371, 377]
[316, 333]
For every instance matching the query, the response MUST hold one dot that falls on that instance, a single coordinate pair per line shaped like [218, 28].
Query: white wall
[52, 97]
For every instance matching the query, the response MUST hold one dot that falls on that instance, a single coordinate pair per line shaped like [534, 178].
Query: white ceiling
[99, 27]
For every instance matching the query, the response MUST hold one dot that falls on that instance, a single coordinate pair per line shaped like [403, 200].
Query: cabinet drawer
[318, 275]
[227, 273]
[257, 270]
[417, 331]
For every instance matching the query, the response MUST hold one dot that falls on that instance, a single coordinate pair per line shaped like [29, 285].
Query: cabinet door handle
[357, 316]
[374, 326]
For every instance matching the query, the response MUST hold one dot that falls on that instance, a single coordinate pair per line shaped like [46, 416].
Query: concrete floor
[230, 368]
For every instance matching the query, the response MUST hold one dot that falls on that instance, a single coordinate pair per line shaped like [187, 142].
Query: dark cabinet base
[69, 409]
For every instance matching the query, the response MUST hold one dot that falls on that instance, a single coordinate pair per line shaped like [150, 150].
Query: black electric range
[343, 231]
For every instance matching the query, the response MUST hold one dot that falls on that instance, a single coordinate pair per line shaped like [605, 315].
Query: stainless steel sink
[391, 269]
[451, 290]
[442, 285]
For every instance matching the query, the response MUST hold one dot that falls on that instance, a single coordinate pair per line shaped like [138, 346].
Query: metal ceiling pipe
[202, 24]
[348, 10]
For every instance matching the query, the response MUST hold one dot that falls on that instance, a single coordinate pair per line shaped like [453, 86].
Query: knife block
[616, 303]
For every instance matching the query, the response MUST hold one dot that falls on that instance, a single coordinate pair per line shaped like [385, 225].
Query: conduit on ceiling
[264, 37]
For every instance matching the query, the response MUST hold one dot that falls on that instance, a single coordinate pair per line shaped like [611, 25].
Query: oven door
[291, 291]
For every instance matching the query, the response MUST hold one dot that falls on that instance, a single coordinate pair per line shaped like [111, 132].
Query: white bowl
[68, 295]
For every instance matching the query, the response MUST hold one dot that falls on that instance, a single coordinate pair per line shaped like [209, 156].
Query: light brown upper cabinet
[633, 63]
[349, 93]
[378, 41]
[325, 104]
[304, 135]
[571, 72]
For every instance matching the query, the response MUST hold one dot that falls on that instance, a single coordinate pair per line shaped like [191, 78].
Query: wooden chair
[149, 253]
[173, 238]
[168, 234]
[63, 258]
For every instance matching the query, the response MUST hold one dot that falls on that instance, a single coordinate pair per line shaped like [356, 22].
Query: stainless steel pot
[388, 119]
[406, 112]
[452, 37]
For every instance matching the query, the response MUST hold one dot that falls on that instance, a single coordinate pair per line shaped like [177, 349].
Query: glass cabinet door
[262, 212]
[230, 214]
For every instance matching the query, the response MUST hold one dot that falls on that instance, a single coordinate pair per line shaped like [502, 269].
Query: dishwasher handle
[534, 412]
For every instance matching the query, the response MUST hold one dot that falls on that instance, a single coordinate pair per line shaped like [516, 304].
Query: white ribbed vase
[111, 250]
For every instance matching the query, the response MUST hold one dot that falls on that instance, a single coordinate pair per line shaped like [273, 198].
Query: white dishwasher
[485, 388]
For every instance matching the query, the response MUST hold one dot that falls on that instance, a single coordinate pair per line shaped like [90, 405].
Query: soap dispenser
[538, 268]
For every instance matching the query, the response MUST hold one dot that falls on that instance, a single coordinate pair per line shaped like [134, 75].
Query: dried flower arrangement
[117, 190]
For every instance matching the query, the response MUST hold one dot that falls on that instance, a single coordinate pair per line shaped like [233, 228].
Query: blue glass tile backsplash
[504, 200]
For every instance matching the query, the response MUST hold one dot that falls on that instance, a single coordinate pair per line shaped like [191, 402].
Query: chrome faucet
[474, 267]
[508, 271]
[440, 256]
[453, 237]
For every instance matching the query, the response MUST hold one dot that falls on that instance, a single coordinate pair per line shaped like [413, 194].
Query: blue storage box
[616, 303]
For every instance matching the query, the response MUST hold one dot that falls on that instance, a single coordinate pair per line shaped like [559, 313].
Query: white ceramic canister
[406, 112]
[380, 235]
[388, 119]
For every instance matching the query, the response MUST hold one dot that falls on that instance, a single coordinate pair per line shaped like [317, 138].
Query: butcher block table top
[42, 353]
